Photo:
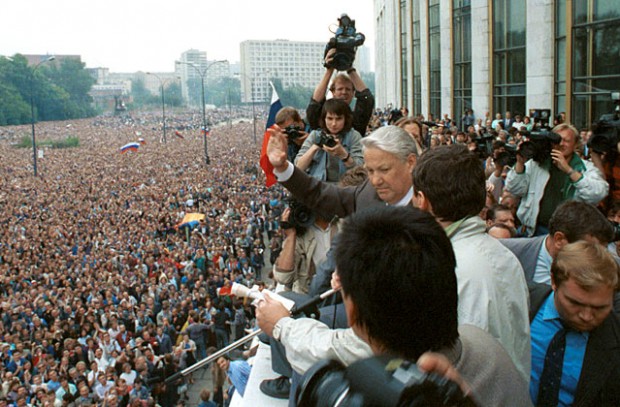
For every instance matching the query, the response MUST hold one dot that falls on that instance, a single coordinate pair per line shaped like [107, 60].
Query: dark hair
[492, 211]
[577, 219]
[397, 266]
[340, 108]
[452, 179]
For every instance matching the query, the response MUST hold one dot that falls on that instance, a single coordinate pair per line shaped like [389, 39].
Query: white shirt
[542, 273]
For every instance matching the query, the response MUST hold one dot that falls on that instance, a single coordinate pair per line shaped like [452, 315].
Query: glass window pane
[580, 11]
[560, 66]
[560, 18]
[580, 52]
[467, 76]
[606, 41]
[561, 88]
[516, 66]
[606, 9]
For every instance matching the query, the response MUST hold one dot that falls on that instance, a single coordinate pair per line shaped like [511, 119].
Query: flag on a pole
[206, 131]
[276, 105]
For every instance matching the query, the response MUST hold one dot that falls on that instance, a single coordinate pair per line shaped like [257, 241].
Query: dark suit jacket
[330, 200]
[526, 249]
[600, 373]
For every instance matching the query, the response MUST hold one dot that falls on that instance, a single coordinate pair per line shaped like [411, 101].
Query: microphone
[253, 293]
[308, 305]
[432, 124]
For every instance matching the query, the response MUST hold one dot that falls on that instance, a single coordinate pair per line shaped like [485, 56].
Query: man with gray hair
[389, 157]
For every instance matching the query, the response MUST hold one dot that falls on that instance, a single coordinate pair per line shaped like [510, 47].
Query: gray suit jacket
[330, 200]
[526, 249]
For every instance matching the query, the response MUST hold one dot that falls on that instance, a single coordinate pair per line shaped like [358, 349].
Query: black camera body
[293, 132]
[605, 137]
[326, 139]
[508, 157]
[376, 381]
[300, 215]
[539, 145]
[345, 41]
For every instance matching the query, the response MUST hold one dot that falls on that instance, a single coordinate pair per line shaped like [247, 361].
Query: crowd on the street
[104, 291]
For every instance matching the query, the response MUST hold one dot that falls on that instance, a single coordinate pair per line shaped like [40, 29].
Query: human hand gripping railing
[253, 293]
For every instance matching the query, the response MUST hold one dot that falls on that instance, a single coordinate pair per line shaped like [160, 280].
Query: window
[434, 41]
[403, 53]
[595, 68]
[417, 76]
[509, 56]
[461, 15]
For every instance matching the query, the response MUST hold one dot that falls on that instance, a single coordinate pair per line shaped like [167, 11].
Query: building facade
[292, 62]
[445, 56]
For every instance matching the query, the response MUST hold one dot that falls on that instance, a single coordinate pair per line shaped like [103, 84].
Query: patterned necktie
[551, 377]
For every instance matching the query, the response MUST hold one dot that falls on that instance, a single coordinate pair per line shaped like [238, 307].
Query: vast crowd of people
[107, 288]
[99, 282]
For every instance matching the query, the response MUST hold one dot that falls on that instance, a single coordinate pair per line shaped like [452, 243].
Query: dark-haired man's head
[396, 267]
[499, 213]
[449, 182]
[575, 220]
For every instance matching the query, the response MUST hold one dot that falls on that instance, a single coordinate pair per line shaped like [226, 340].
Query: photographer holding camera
[334, 148]
[288, 118]
[548, 179]
[339, 56]
[307, 238]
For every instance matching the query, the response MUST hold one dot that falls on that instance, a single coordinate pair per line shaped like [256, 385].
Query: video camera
[345, 41]
[539, 145]
[300, 215]
[606, 132]
[376, 381]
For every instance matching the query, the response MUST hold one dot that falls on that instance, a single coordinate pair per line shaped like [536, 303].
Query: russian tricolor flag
[276, 105]
[130, 147]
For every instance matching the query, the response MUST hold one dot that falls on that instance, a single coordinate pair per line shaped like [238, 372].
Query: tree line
[59, 90]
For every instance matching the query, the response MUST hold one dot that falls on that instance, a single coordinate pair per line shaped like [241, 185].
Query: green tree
[141, 95]
[223, 92]
[296, 96]
[13, 108]
[71, 76]
[58, 90]
[173, 95]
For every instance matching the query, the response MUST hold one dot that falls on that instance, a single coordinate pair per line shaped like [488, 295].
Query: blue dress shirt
[543, 328]
[239, 374]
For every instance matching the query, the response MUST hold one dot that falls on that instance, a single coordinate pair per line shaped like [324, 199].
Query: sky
[143, 35]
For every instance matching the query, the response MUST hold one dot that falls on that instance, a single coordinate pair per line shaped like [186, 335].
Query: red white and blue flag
[205, 131]
[130, 147]
[276, 105]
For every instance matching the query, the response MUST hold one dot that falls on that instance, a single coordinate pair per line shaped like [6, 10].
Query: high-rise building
[444, 56]
[194, 64]
[292, 62]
